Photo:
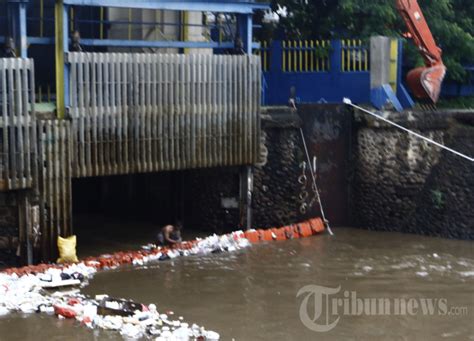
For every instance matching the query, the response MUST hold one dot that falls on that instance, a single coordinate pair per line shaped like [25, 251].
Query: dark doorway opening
[124, 212]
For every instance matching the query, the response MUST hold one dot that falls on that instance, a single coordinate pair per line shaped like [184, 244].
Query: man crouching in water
[170, 235]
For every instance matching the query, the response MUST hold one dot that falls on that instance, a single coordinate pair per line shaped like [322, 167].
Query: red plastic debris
[65, 311]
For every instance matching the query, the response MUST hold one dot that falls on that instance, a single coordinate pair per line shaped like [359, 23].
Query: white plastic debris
[4, 311]
[211, 335]
[46, 309]
[109, 322]
[182, 333]
[131, 331]
[90, 311]
[34, 293]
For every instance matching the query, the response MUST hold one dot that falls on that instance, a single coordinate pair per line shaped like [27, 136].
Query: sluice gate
[128, 113]
[136, 113]
[55, 145]
[17, 124]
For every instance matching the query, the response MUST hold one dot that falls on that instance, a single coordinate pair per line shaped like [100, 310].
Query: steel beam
[21, 40]
[138, 43]
[244, 26]
[176, 5]
[40, 40]
[246, 194]
[61, 48]
[158, 44]
[17, 22]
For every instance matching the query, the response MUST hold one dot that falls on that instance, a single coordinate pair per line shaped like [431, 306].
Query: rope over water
[311, 170]
[349, 102]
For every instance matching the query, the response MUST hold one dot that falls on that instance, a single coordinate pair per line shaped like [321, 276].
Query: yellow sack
[67, 250]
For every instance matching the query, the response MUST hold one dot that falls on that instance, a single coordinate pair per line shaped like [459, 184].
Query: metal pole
[16, 21]
[245, 32]
[249, 178]
[22, 30]
[61, 48]
[29, 232]
[246, 188]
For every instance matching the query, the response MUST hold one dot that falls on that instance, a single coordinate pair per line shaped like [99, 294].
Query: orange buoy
[296, 231]
[317, 225]
[266, 235]
[289, 232]
[252, 236]
[300, 230]
[305, 229]
[279, 233]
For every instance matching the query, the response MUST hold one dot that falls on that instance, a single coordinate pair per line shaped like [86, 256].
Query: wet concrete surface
[252, 294]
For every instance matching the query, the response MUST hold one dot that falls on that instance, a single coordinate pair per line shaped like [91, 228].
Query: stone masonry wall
[8, 228]
[206, 189]
[444, 206]
[276, 185]
[405, 184]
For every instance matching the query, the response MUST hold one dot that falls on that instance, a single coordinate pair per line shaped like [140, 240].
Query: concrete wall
[159, 32]
[379, 61]
[144, 32]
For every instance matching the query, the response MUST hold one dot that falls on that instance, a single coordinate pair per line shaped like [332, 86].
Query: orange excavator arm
[425, 82]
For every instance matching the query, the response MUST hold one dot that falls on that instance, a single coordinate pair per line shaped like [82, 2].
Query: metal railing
[306, 55]
[355, 56]
[264, 52]
[317, 70]
[313, 56]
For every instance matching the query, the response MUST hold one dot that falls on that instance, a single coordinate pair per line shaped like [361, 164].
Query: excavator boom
[425, 82]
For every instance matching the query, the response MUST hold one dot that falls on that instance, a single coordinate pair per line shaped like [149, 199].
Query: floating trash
[54, 289]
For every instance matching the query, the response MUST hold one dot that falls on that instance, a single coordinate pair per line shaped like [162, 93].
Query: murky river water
[251, 294]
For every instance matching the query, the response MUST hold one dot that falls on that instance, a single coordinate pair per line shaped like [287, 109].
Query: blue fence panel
[319, 71]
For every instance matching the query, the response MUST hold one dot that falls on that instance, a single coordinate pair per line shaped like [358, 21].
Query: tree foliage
[451, 21]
